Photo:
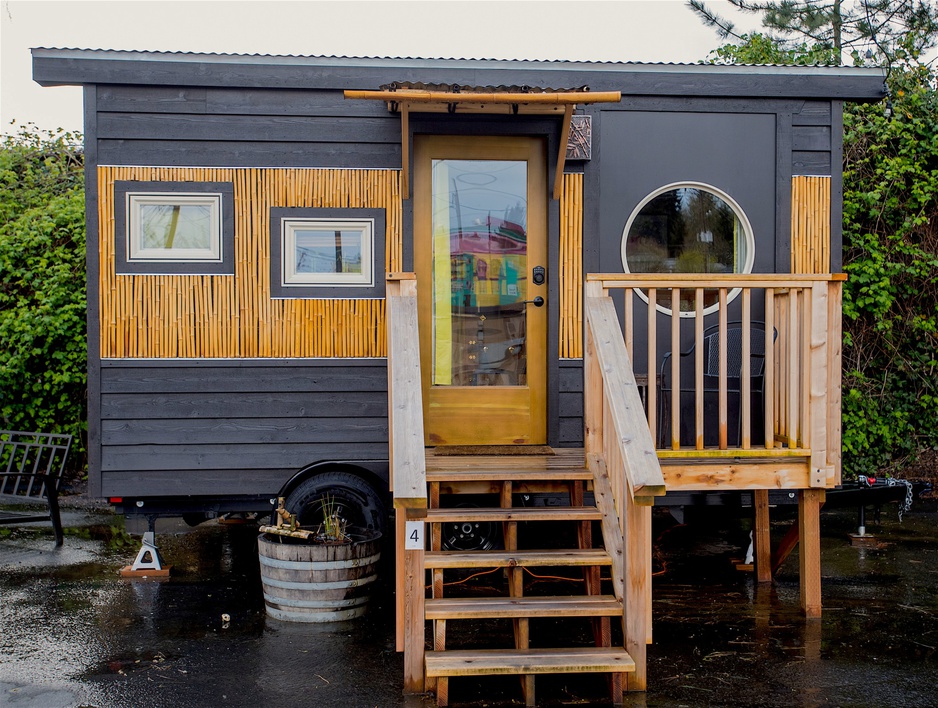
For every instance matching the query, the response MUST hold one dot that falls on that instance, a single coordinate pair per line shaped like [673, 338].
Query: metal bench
[31, 467]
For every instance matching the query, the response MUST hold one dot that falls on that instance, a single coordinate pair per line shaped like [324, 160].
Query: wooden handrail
[627, 424]
[405, 407]
[408, 472]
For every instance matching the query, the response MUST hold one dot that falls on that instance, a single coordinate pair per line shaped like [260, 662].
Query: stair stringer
[631, 572]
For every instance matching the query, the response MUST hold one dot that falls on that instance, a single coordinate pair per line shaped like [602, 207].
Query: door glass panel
[479, 227]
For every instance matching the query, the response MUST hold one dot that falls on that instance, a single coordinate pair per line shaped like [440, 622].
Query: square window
[173, 228]
[328, 252]
[176, 227]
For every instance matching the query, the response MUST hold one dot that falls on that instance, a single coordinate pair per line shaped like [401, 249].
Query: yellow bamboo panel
[235, 316]
[810, 224]
[571, 267]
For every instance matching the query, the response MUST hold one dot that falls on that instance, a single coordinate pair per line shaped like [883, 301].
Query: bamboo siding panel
[571, 267]
[216, 316]
[810, 225]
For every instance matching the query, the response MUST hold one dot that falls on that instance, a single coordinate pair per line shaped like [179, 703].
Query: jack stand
[861, 537]
[143, 567]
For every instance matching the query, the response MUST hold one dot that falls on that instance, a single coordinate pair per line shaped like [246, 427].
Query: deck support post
[637, 589]
[761, 537]
[414, 619]
[809, 554]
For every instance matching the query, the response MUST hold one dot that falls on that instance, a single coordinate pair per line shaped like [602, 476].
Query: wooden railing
[627, 476]
[408, 473]
[800, 340]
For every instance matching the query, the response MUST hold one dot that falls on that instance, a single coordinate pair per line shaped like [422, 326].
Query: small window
[688, 227]
[327, 252]
[174, 227]
[336, 252]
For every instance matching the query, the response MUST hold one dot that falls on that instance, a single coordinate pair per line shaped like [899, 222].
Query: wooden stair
[448, 478]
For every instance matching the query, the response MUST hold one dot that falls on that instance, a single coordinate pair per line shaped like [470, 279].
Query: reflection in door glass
[479, 272]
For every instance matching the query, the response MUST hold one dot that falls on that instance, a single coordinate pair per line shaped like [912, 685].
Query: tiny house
[386, 278]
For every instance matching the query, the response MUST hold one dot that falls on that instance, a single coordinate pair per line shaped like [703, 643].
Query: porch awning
[484, 100]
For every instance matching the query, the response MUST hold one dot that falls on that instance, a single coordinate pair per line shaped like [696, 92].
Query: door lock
[540, 275]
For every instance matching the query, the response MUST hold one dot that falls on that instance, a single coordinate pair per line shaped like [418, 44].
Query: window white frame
[137, 253]
[289, 277]
[747, 234]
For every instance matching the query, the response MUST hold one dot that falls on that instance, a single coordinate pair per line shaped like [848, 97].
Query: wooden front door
[480, 250]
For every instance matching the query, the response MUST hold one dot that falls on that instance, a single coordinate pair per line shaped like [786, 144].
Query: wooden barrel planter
[318, 582]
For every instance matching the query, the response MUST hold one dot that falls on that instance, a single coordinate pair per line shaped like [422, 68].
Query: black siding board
[813, 113]
[260, 456]
[344, 73]
[178, 153]
[266, 404]
[811, 163]
[837, 187]
[92, 270]
[191, 483]
[783, 172]
[571, 432]
[811, 137]
[270, 102]
[211, 128]
[251, 377]
[244, 432]
[571, 376]
[570, 420]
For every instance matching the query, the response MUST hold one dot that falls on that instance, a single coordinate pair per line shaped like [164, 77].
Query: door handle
[537, 302]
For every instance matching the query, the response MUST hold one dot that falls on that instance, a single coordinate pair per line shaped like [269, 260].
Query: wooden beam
[405, 152]
[707, 475]
[761, 538]
[561, 98]
[637, 599]
[562, 151]
[809, 555]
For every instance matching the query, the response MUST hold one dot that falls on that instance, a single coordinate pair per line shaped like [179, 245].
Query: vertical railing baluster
[628, 324]
[745, 372]
[768, 386]
[699, 367]
[794, 369]
[652, 328]
[804, 422]
[675, 368]
[723, 358]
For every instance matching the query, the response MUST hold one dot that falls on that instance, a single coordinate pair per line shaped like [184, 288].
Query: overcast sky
[623, 30]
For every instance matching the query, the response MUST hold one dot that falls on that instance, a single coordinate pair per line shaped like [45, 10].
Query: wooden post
[414, 621]
[760, 536]
[809, 553]
[592, 385]
[636, 599]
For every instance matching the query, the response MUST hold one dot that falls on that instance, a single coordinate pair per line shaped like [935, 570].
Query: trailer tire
[356, 501]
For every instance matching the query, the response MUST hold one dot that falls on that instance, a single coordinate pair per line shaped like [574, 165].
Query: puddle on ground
[81, 636]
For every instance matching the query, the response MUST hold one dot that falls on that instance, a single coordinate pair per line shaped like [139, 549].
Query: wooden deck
[634, 452]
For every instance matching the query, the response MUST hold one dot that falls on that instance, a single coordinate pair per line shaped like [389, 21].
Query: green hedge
[42, 286]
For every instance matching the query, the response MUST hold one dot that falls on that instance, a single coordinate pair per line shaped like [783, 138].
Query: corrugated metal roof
[224, 57]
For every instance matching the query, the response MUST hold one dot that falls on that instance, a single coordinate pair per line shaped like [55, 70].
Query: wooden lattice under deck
[180, 316]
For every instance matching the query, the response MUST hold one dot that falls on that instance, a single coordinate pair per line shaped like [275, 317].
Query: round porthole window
[688, 227]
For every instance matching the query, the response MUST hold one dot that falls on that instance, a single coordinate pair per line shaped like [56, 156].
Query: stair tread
[540, 513]
[566, 459]
[526, 558]
[506, 473]
[474, 662]
[548, 606]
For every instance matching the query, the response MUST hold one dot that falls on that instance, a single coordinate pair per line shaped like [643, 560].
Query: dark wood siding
[212, 127]
[811, 142]
[215, 427]
[570, 383]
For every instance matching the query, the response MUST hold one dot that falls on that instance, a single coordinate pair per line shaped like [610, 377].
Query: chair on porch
[711, 380]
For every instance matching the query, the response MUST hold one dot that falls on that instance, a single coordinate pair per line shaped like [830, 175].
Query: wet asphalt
[74, 634]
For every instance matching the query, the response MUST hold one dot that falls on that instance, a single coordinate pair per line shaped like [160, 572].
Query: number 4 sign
[414, 539]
